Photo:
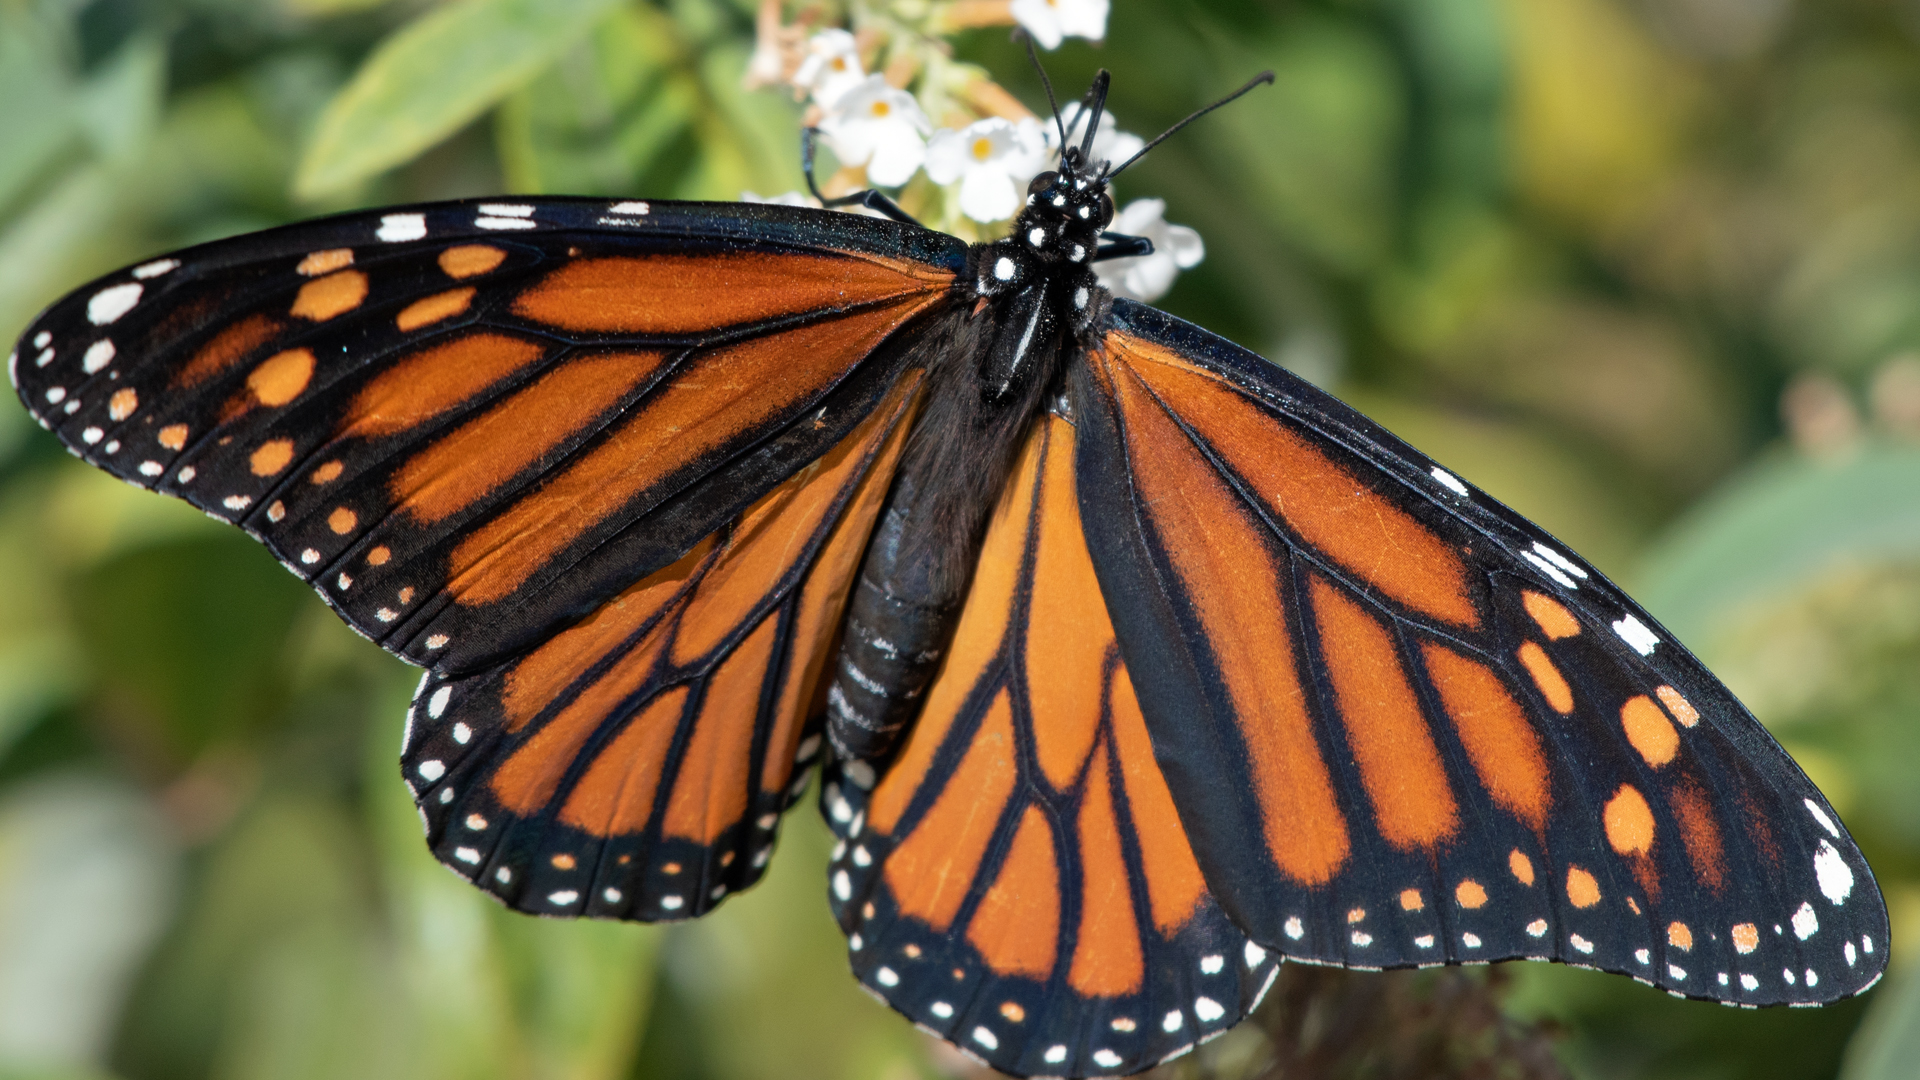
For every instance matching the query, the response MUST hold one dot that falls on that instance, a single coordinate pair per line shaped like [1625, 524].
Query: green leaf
[1770, 533]
[433, 77]
[1888, 1041]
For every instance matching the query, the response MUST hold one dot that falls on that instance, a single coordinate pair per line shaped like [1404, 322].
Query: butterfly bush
[953, 146]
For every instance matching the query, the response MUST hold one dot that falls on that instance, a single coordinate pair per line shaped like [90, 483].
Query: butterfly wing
[1018, 882]
[1403, 726]
[468, 424]
[636, 764]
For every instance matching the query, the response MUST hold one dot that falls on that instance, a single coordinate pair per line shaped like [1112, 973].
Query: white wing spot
[386, 614]
[1106, 1059]
[467, 855]
[446, 795]
[57, 394]
[42, 339]
[1294, 927]
[1559, 560]
[45, 357]
[112, 302]
[941, 1009]
[1787, 974]
[1551, 570]
[1820, 816]
[1850, 954]
[1805, 922]
[1255, 954]
[860, 856]
[1833, 873]
[503, 875]
[637, 209]
[151, 468]
[1425, 941]
[982, 1036]
[1537, 928]
[1580, 943]
[309, 557]
[1470, 940]
[506, 209]
[1635, 633]
[148, 271]
[437, 641]
[611, 896]
[437, 704]
[1813, 977]
[671, 902]
[502, 223]
[395, 228]
[886, 977]
[1207, 1009]
[563, 897]
[432, 769]
[1212, 965]
[461, 733]
[1362, 938]
[1643, 956]
[187, 474]
[98, 355]
[1055, 1054]
[1172, 1021]
[842, 886]
[92, 435]
[1679, 973]
[1748, 982]
[1449, 481]
[237, 502]
[476, 823]
[856, 943]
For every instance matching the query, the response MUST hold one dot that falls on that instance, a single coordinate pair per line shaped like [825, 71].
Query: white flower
[1110, 144]
[993, 159]
[1148, 277]
[831, 68]
[791, 198]
[1050, 21]
[879, 127]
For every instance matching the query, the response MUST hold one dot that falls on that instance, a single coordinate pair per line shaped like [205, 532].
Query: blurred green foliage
[1650, 271]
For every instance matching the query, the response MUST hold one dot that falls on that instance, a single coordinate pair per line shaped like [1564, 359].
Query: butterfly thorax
[1040, 277]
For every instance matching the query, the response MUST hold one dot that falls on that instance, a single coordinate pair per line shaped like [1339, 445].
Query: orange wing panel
[932, 869]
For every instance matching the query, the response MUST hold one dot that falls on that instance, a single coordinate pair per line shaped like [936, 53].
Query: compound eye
[1106, 209]
[1042, 182]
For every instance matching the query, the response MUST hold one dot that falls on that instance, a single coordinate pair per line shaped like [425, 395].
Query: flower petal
[988, 195]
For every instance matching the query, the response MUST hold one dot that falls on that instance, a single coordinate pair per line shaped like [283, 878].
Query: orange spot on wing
[1679, 936]
[271, 456]
[1629, 821]
[1649, 730]
[1410, 900]
[1399, 763]
[615, 796]
[484, 453]
[697, 294]
[1554, 620]
[327, 473]
[530, 775]
[1553, 685]
[1746, 938]
[1324, 503]
[1521, 866]
[1070, 632]
[123, 403]
[1107, 957]
[342, 520]
[469, 259]
[1700, 834]
[1017, 926]
[932, 869]
[976, 641]
[173, 436]
[823, 597]
[538, 679]
[1582, 890]
[379, 556]
[710, 787]
[1355, 915]
[1174, 885]
[336, 294]
[324, 262]
[1501, 743]
[1679, 706]
[1470, 894]
[716, 399]
[1222, 559]
[228, 348]
[424, 384]
[433, 309]
[281, 377]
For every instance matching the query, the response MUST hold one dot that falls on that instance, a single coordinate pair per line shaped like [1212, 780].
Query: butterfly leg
[1122, 246]
[868, 197]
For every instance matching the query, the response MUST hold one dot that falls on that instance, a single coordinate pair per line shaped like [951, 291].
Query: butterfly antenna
[1097, 95]
[1047, 85]
[1265, 77]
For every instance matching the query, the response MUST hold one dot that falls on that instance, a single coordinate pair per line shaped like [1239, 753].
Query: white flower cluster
[869, 123]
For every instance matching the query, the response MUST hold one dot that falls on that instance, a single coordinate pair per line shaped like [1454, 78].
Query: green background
[1649, 270]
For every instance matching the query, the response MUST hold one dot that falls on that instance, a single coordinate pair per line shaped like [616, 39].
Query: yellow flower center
[839, 63]
[881, 108]
[982, 149]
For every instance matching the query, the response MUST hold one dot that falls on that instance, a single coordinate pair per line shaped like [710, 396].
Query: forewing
[1018, 882]
[1403, 726]
[635, 765]
[468, 424]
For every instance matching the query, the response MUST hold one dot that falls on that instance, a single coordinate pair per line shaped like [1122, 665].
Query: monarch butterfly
[1143, 664]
